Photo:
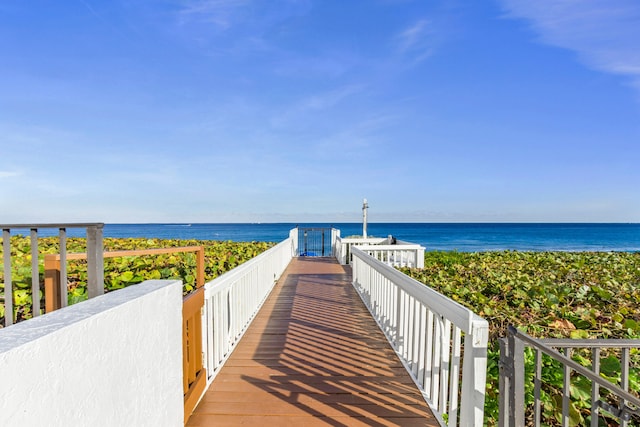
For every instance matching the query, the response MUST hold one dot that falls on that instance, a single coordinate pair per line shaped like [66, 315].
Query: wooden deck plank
[313, 356]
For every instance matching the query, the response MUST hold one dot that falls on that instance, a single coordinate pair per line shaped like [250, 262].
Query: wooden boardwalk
[313, 356]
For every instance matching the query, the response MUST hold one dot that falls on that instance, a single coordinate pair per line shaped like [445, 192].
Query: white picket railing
[404, 255]
[396, 253]
[343, 246]
[233, 299]
[429, 332]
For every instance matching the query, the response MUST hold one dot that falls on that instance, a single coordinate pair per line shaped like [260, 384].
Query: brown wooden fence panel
[195, 378]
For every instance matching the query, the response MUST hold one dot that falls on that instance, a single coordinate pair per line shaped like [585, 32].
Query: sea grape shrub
[220, 257]
[546, 294]
[552, 294]
[120, 272]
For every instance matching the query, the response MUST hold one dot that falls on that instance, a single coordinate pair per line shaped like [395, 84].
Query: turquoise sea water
[467, 237]
[434, 236]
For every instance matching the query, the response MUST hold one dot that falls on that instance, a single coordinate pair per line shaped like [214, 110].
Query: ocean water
[463, 237]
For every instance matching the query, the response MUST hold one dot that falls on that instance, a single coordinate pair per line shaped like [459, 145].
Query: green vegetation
[122, 271]
[550, 295]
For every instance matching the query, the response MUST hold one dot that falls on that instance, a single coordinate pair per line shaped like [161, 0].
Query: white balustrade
[233, 299]
[429, 332]
[399, 255]
[343, 246]
[396, 254]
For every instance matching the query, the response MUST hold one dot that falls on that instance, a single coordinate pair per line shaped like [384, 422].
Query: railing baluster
[624, 380]
[35, 274]
[415, 337]
[516, 391]
[536, 389]
[566, 389]
[428, 372]
[505, 366]
[595, 387]
[397, 316]
[455, 376]
[437, 361]
[64, 297]
[8, 287]
[444, 367]
[422, 345]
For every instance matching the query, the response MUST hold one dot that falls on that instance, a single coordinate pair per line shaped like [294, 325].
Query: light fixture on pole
[365, 206]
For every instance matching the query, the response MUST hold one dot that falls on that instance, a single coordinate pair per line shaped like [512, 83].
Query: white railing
[343, 246]
[233, 299]
[388, 250]
[429, 332]
[95, 263]
[399, 255]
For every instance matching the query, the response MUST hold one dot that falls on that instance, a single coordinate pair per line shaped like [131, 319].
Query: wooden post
[200, 267]
[52, 283]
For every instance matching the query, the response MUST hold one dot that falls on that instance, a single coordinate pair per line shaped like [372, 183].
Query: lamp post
[365, 206]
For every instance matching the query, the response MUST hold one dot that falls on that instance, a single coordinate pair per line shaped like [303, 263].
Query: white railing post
[474, 374]
[420, 257]
[335, 243]
[293, 235]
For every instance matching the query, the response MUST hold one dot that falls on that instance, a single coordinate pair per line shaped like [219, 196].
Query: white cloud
[9, 174]
[417, 40]
[604, 33]
[331, 98]
[334, 64]
[217, 12]
[301, 109]
[255, 14]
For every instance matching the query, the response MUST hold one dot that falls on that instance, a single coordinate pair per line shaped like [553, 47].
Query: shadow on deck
[313, 356]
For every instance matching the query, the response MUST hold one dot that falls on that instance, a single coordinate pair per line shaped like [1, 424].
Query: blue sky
[296, 110]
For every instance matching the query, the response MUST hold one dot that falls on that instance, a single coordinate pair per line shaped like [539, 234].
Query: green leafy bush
[220, 257]
[548, 295]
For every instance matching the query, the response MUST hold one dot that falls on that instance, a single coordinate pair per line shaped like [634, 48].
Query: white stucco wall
[115, 360]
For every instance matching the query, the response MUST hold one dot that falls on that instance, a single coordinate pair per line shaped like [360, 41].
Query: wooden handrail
[52, 269]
